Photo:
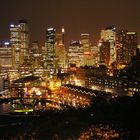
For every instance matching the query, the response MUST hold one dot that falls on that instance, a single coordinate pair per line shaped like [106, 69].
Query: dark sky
[77, 16]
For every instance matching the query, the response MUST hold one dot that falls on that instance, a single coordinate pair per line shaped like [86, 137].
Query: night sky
[77, 16]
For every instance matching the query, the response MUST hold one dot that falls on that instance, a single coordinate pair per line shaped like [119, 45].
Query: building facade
[109, 35]
[19, 41]
[126, 45]
[50, 62]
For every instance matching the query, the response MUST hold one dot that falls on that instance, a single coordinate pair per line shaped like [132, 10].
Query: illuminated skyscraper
[85, 42]
[109, 35]
[24, 36]
[50, 63]
[19, 41]
[5, 56]
[75, 54]
[60, 49]
[95, 54]
[87, 55]
[104, 52]
[126, 44]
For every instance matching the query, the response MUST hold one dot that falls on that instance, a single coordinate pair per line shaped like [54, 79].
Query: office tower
[60, 50]
[85, 41]
[75, 54]
[95, 54]
[5, 56]
[35, 55]
[109, 35]
[104, 52]
[63, 37]
[50, 63]
[19, 41]
[126, 44]
[24, 38]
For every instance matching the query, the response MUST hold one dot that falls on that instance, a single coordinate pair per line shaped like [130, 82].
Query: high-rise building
[126, 44]
[24, 36]
[75, 54]
[5, 56]
[87, 55]
[109, 35]
[19, 41]
[50, 63]
[35, 55]
[95, 51]
[60, 49]
[104, 53]
[85, 41]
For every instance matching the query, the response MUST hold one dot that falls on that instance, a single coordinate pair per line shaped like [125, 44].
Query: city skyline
[76, 16]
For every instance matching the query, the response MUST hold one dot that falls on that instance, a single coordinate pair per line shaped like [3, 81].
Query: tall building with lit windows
[60, 49]
[104, 52]
[109, 35]
[126, 45]
[51, 61]
[5, 56]
[24, 36]
[75, 54]
[85, 41]
[19, 41]
[87, 54]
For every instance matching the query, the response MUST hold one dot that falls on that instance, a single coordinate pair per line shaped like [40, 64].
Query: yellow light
[24, 110]
[131, 33]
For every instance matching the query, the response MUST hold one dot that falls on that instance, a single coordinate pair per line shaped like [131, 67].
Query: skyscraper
[5, 56]
[109, 35]
[19, 41]
[50, 63]
[85, 42]
[60, 49]
[24, 36]
[104, 53]
[75, 54]
[87, 56]
[126, 44]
